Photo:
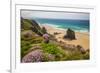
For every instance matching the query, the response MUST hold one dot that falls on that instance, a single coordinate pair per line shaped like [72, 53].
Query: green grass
[27, 24]
[54, 50]
[61, 54]
[37, 40]
[25, 45]
[27, 42]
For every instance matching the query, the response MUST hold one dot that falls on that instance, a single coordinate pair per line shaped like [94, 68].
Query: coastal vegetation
[35, 49]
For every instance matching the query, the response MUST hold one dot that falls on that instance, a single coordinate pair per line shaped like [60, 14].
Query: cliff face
[27, 24]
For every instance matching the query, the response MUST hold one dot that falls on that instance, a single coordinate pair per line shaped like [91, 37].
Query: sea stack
[70, 34]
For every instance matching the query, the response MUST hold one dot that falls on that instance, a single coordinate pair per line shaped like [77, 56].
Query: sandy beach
[81, 38]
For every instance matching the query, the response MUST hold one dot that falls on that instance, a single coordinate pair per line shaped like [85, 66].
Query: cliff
[28, 24]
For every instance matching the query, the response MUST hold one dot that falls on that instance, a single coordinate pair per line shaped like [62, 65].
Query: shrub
[77, 55]
[25, 45]
[86, 55]
[25, 24]
[36, 40]
[34, 56]
[74, 56]
[44, 30]
[54, 50]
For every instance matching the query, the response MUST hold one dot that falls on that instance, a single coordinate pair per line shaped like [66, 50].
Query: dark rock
[28, 24]
[70, 34]
[36, 28]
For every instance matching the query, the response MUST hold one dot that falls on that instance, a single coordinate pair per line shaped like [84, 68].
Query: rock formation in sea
[70, 34]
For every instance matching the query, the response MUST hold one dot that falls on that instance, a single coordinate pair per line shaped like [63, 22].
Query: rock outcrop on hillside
[27, 24]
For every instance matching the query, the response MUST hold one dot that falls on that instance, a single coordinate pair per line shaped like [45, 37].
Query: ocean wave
[52, 25]
[60, 27]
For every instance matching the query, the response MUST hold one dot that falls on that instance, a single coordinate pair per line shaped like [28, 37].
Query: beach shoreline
[82, 38]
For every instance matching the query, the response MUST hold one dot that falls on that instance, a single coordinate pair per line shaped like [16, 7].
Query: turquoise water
[76, 25]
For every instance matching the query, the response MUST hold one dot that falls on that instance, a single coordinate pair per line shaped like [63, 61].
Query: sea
[76, 25]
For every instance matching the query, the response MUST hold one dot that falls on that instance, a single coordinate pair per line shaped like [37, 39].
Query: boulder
[28, 24]
[70, 34]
